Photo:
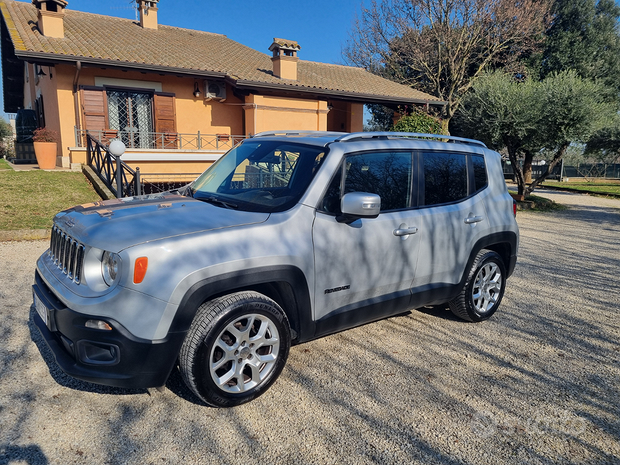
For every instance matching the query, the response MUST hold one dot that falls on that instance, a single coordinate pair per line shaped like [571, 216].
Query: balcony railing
[161, 140]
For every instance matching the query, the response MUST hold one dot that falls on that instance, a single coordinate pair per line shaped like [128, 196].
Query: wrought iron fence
[581, 170]
[115, 174]
[537, 170]
[593, 170]
[161, 140]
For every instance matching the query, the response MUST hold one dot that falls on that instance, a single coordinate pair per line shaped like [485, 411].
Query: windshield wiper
[216, 201]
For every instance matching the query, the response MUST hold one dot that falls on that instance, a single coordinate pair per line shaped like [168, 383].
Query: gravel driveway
[537, 384]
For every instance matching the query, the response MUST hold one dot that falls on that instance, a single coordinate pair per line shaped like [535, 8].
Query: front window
[388, 174]
[258, 175]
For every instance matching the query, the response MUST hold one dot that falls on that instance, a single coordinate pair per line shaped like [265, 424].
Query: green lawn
[541, 204]
[599, 188]
[4, 165]
[30, 199]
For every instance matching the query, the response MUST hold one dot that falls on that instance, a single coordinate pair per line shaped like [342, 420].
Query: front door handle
[473, 219]
[403, 230]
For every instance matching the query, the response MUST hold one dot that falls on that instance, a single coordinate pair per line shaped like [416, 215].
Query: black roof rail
[358, 136]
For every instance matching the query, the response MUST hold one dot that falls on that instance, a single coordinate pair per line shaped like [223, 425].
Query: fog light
[98, 324]
[98, 353]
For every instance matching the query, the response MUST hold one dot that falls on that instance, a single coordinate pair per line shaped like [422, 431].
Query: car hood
[120, 223]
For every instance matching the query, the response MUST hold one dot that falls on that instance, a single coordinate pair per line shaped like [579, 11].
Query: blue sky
[321, 27]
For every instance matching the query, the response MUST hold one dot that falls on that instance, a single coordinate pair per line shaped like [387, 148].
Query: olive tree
[604, 145]
[528, 117]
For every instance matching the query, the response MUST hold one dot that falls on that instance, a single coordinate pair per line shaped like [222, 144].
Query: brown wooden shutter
[165, 121]
[94, 111]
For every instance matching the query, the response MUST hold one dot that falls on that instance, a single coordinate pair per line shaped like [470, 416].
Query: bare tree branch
[442, 46]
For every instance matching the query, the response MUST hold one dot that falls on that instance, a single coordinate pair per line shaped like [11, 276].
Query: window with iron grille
[131, 113]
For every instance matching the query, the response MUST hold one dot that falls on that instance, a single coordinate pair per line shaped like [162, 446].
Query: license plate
[41, 309]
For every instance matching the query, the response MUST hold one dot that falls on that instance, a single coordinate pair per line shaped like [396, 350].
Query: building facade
[178, 98]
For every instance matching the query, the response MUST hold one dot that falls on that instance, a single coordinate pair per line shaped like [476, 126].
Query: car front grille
[67, 254]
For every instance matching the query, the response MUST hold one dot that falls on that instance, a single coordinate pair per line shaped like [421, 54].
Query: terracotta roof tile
[290, 44]
[122, 41]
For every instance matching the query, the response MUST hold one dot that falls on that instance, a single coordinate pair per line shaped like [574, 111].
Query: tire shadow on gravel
[440, 311]
[177, 386]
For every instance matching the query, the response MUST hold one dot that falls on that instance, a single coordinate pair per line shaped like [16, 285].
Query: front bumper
[112, 358]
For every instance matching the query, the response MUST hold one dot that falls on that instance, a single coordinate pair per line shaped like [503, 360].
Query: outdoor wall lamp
[196, 90]
[41, 73]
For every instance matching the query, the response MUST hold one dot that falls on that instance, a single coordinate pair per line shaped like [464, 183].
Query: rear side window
[445, 177]
[480, 172]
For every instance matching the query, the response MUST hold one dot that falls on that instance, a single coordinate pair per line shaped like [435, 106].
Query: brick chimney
[284, 58]
[51, 15]
[148, 13]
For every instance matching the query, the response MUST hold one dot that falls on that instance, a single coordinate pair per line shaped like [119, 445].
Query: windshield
[260, 176]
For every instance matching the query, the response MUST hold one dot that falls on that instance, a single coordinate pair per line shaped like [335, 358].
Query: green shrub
[418, 122]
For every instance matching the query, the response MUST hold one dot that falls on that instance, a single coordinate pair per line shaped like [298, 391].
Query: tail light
[514, 207]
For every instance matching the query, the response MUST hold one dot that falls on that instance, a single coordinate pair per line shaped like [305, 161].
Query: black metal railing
[153, 183]
[115, 174]
[162, 140]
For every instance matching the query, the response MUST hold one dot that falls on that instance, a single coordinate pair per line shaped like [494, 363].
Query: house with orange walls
[178, 98]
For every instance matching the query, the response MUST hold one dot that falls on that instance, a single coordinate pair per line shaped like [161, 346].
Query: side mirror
[355, 205]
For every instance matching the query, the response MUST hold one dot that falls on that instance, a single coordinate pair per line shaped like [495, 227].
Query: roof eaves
[245, 84]
[58, 58]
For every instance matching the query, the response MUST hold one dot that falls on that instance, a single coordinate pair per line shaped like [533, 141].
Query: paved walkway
[572, 199]
[34, 166]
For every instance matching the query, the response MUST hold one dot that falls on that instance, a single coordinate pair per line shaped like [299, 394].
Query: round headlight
[110, 267]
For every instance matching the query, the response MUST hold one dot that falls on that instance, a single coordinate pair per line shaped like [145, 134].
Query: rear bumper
[112, 358]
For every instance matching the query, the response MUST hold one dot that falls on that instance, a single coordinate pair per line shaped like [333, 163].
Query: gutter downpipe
[78, 69]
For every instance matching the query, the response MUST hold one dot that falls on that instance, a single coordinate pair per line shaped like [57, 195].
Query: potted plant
[45, 147]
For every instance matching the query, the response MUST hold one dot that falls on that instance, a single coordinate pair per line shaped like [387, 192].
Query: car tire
[235, 349]
[483, 289]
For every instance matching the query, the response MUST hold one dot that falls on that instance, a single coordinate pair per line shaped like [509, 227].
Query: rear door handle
[473, 219]
[404, 231]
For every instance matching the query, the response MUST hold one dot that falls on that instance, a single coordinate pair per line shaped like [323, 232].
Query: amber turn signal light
[139, 270]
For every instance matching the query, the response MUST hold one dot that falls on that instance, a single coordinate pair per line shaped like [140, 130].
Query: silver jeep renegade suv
[286, 238]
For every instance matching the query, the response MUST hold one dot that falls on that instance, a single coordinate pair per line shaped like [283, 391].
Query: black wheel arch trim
[504, 243]
[293, 298]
